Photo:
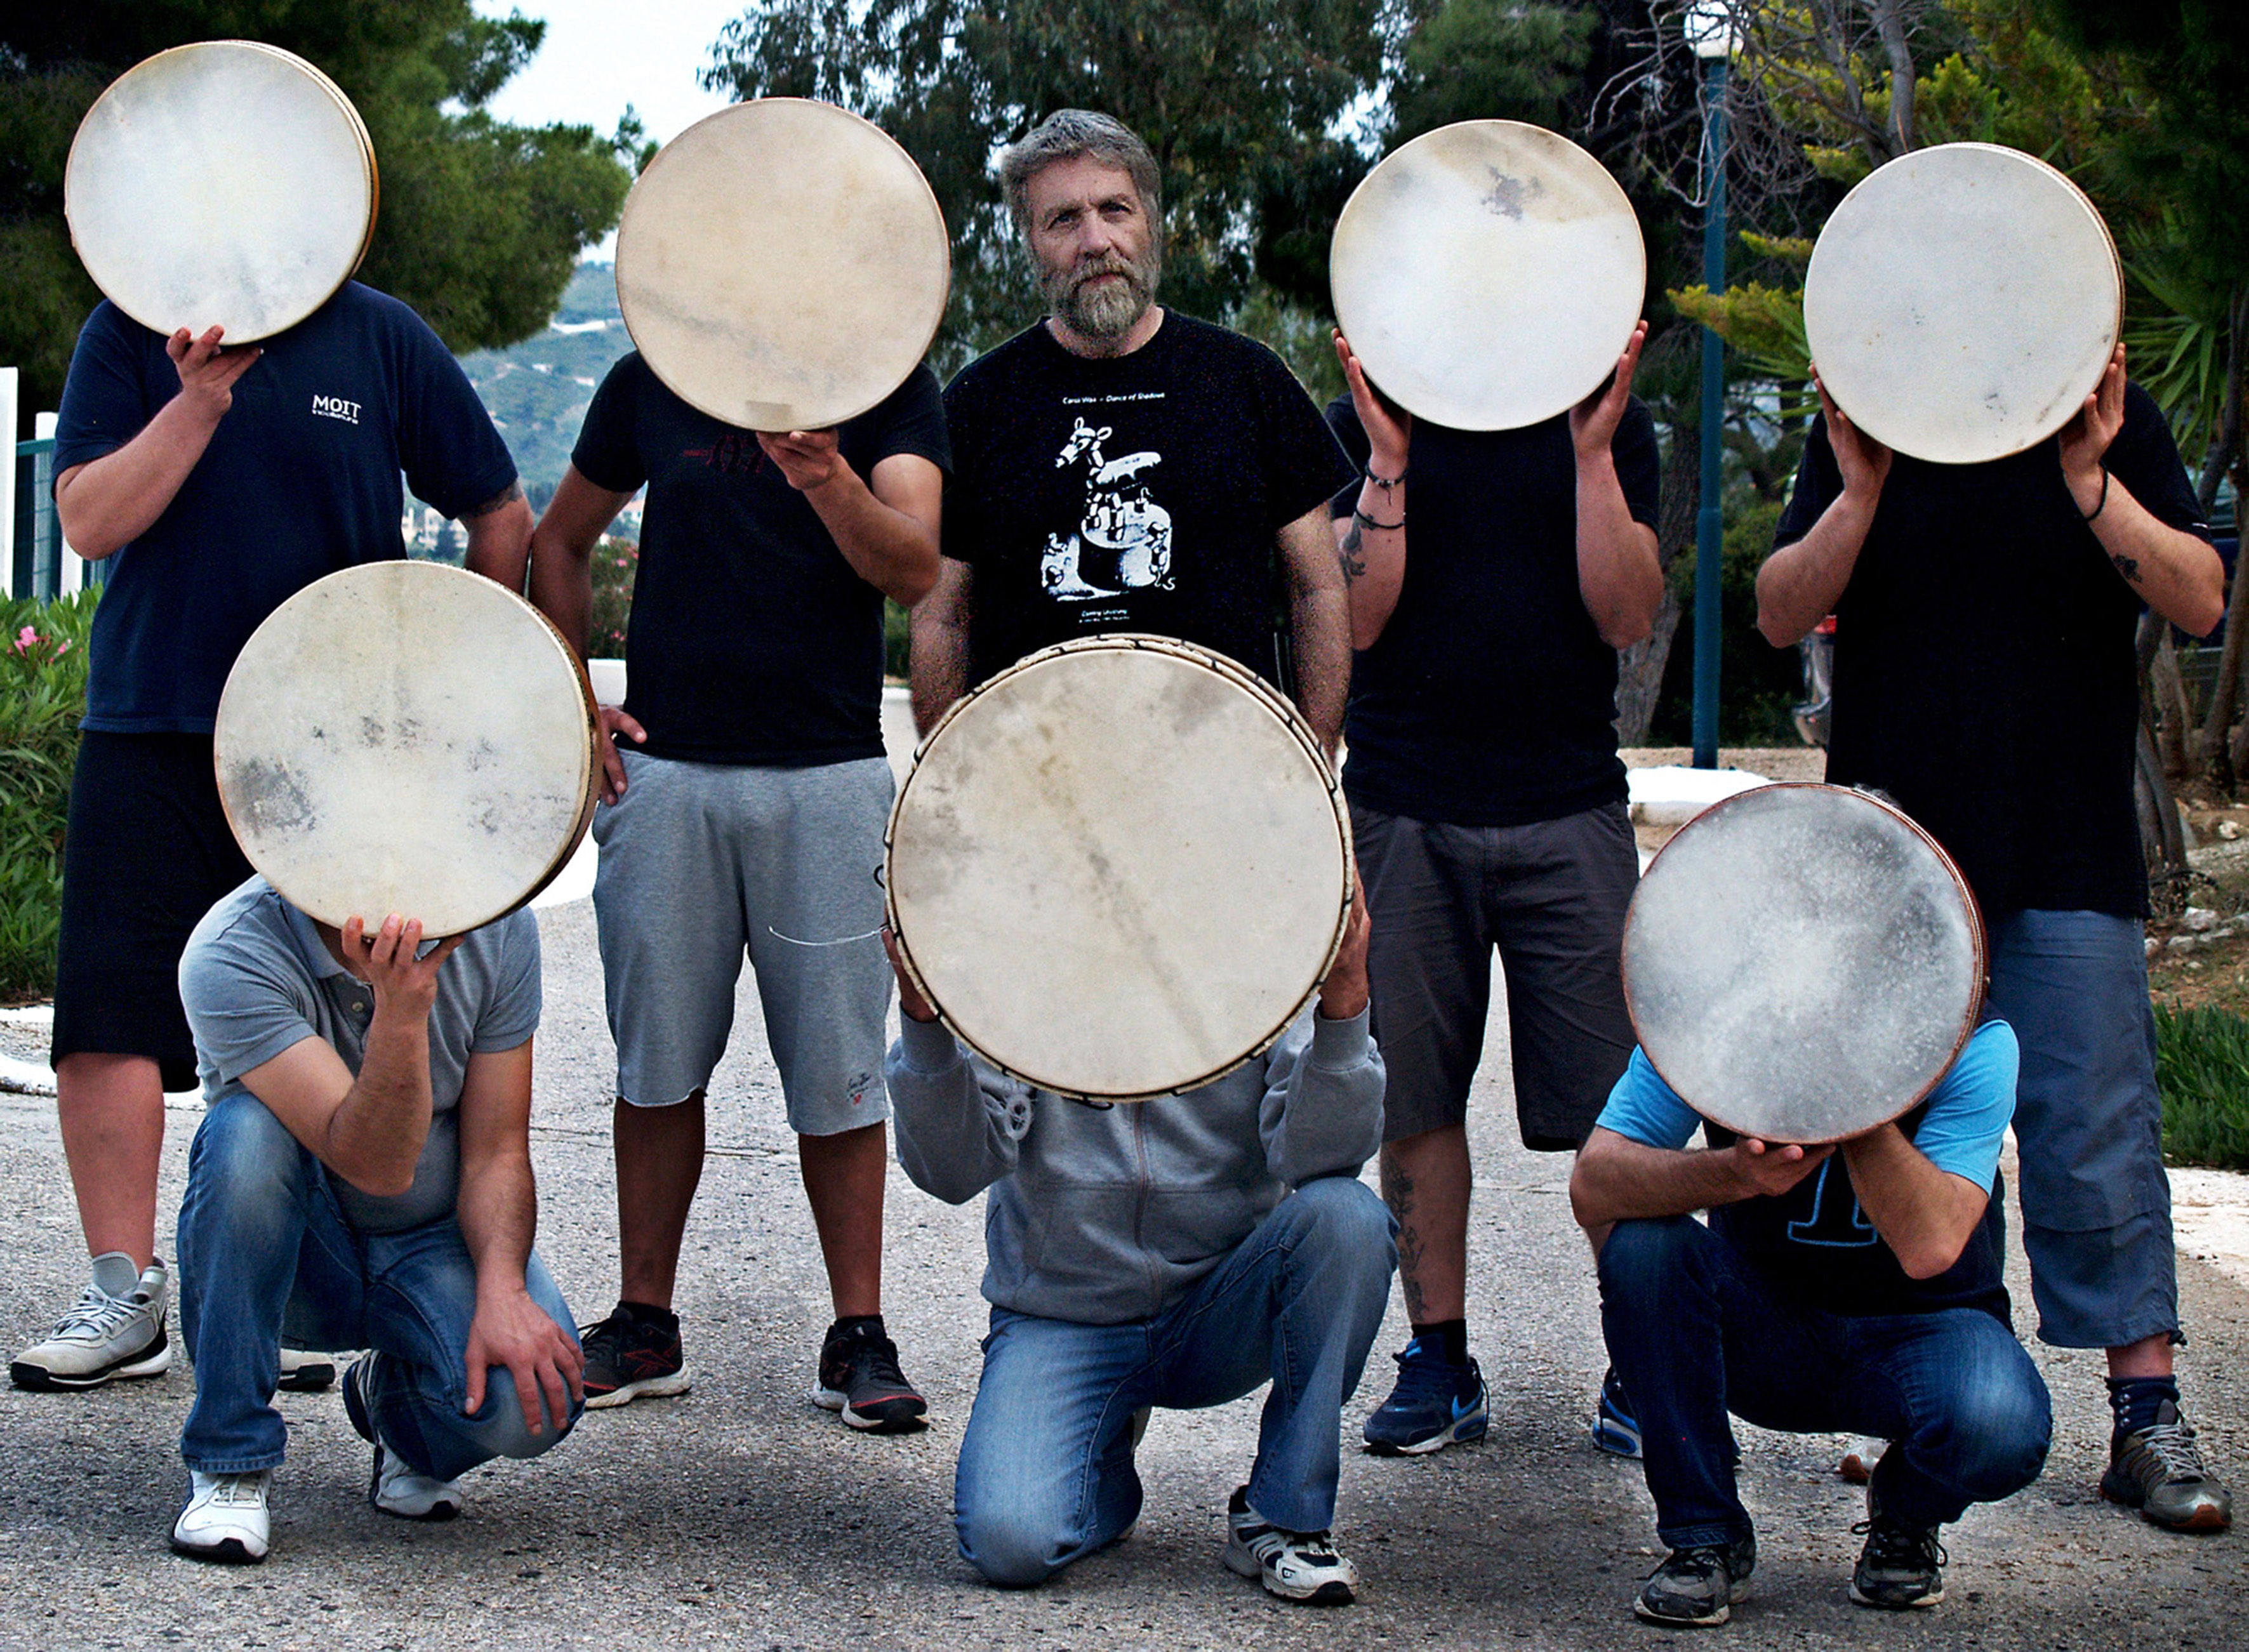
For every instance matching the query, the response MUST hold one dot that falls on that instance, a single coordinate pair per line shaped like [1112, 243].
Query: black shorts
[146, 854]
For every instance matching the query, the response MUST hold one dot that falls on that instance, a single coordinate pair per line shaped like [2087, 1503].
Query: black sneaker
[1901, 1566]
[628, 1355]
[1698, 1588]
[2157, 1470]
[859, 1377]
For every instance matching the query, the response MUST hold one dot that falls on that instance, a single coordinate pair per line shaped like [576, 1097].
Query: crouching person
[362, 1180]
[1849, 1289]
[1180, 1252]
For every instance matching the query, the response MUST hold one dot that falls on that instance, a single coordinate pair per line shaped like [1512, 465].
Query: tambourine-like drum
[1487, 274]
[1119, 868]
[1963, 302]
[224, 183]
[782, 264]
[407, 737]
[1803, 963]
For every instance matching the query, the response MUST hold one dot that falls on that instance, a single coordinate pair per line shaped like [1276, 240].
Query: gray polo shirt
[257, 979]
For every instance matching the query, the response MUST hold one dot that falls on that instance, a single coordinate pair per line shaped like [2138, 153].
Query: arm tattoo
[506, 496]
[1354, 564]
[2128, 566]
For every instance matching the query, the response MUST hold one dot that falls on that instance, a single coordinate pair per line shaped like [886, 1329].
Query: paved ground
[742, 1516]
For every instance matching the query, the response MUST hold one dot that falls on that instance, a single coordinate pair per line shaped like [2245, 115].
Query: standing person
[1121, 467]
[362, 1179]
[1488, 805]
[219, 482]
[1177, 1252]
[747, 817]
[1999, 704]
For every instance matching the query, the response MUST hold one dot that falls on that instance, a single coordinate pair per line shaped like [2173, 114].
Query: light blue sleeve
[1645, 1109]
[1969, 1110]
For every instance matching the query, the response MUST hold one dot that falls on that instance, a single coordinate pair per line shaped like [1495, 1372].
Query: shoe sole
[656, 1387]
[2209, 1517]
[903, 1414]
[38, 1380]
[1735, 1596]
[1241, 1563]
[227, 1551]
[1931, 1599]
[1615, 1444]
[1472, 1427]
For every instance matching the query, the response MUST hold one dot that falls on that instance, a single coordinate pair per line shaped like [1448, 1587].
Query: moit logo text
[336, 408]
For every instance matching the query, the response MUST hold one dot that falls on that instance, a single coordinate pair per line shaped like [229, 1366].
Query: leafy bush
[2202, 1065]
[615, 562]
[43, 660]
[897, 629]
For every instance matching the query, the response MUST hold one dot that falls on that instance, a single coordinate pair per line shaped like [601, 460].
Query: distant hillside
[537, 391]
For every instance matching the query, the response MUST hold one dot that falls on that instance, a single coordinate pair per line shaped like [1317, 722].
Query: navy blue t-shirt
[752, 639]
[302, 478]
[1490, 699]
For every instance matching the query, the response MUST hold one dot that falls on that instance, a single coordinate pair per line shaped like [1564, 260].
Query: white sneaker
[394, 1488]
[1296, 1565]
[303, 1373]
[225, 1519]
[102, 1339]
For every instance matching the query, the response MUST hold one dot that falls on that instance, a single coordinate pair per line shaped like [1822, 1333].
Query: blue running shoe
[1615, 1429]
[1435, 1404]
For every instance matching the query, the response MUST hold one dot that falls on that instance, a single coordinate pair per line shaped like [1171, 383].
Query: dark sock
[2137, 1400]
[648, 1314]
[1448, 1337]
[854, 1325]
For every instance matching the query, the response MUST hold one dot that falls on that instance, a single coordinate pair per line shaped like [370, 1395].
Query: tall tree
[481, 222]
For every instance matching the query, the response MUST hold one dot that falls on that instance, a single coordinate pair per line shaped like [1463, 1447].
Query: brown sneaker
[2157, 1470]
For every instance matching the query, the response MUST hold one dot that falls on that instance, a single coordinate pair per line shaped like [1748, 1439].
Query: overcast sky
[601, 55]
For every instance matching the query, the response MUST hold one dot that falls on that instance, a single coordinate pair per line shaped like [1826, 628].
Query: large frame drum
[1803, 963]
[1119, 868]
[408, 737]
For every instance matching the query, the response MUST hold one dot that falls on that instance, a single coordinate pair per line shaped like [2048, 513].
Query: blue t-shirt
[302, 478]
[1814, 1241]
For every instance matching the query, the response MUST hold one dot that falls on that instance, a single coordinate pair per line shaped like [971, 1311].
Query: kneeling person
[1850, 1289]
[362, 1180]
[1180, 1252]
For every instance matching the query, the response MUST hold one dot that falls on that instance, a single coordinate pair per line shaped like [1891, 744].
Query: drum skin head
[407, 737]
[1487, 274]
[1120, 868]
[224, 183]
[782, 265]
[1802, 964]
[1963, 302]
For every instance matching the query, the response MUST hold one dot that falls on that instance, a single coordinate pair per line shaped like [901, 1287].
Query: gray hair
[1065, 135]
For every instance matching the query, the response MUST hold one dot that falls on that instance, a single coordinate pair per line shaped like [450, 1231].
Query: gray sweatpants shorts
[703, 863]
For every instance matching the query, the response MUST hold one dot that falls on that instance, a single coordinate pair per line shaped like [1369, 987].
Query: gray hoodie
[1107, 1215]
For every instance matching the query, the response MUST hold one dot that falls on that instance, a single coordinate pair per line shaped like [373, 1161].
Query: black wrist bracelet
[2103, 505]
[1365, 520]
[1386, 483]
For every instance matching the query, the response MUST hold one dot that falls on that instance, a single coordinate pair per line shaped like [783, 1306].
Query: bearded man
[1120, 467]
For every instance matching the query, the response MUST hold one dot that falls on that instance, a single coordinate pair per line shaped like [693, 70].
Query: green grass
[2202, 1065]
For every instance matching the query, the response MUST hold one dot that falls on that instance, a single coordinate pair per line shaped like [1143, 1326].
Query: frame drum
[408, 737]
[1489, 274]
[782, 265]
[1803, 963]
[1963, 302]
[1119, 868]
[224, 183]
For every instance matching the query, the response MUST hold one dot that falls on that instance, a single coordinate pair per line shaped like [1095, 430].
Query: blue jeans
[1046, 1472]
[1695, 1331]
[266, 1256]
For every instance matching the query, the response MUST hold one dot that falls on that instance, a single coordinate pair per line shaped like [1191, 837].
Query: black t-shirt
[1490, 699]
[752, 639]
[300, 479]
[1985, 674]
[1138, 493]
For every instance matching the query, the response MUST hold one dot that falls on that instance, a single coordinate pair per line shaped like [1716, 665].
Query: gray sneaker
[1698, 1587]
[1901, 1566]
[102, 1339]
[2157, 1470]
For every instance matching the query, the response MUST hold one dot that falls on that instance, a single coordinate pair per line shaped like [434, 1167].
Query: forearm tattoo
[506, 496]
[1349, 554]
[2128, 566]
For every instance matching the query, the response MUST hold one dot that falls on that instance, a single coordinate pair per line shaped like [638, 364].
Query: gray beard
[1109, 310]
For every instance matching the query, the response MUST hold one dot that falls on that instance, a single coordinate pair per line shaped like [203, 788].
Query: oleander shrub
[43, 659]
[615, 562]
[2202, 1065]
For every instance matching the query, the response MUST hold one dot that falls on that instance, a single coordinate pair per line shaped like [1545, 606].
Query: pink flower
[26, 639]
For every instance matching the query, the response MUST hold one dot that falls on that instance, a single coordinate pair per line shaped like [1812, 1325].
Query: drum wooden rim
[1479, 332]
[774, 326]
[1239, 677]
[433, 586]
[116, 259]
[1716, 1109]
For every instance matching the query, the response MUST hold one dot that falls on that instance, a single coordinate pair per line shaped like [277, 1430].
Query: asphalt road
[742, 1516]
